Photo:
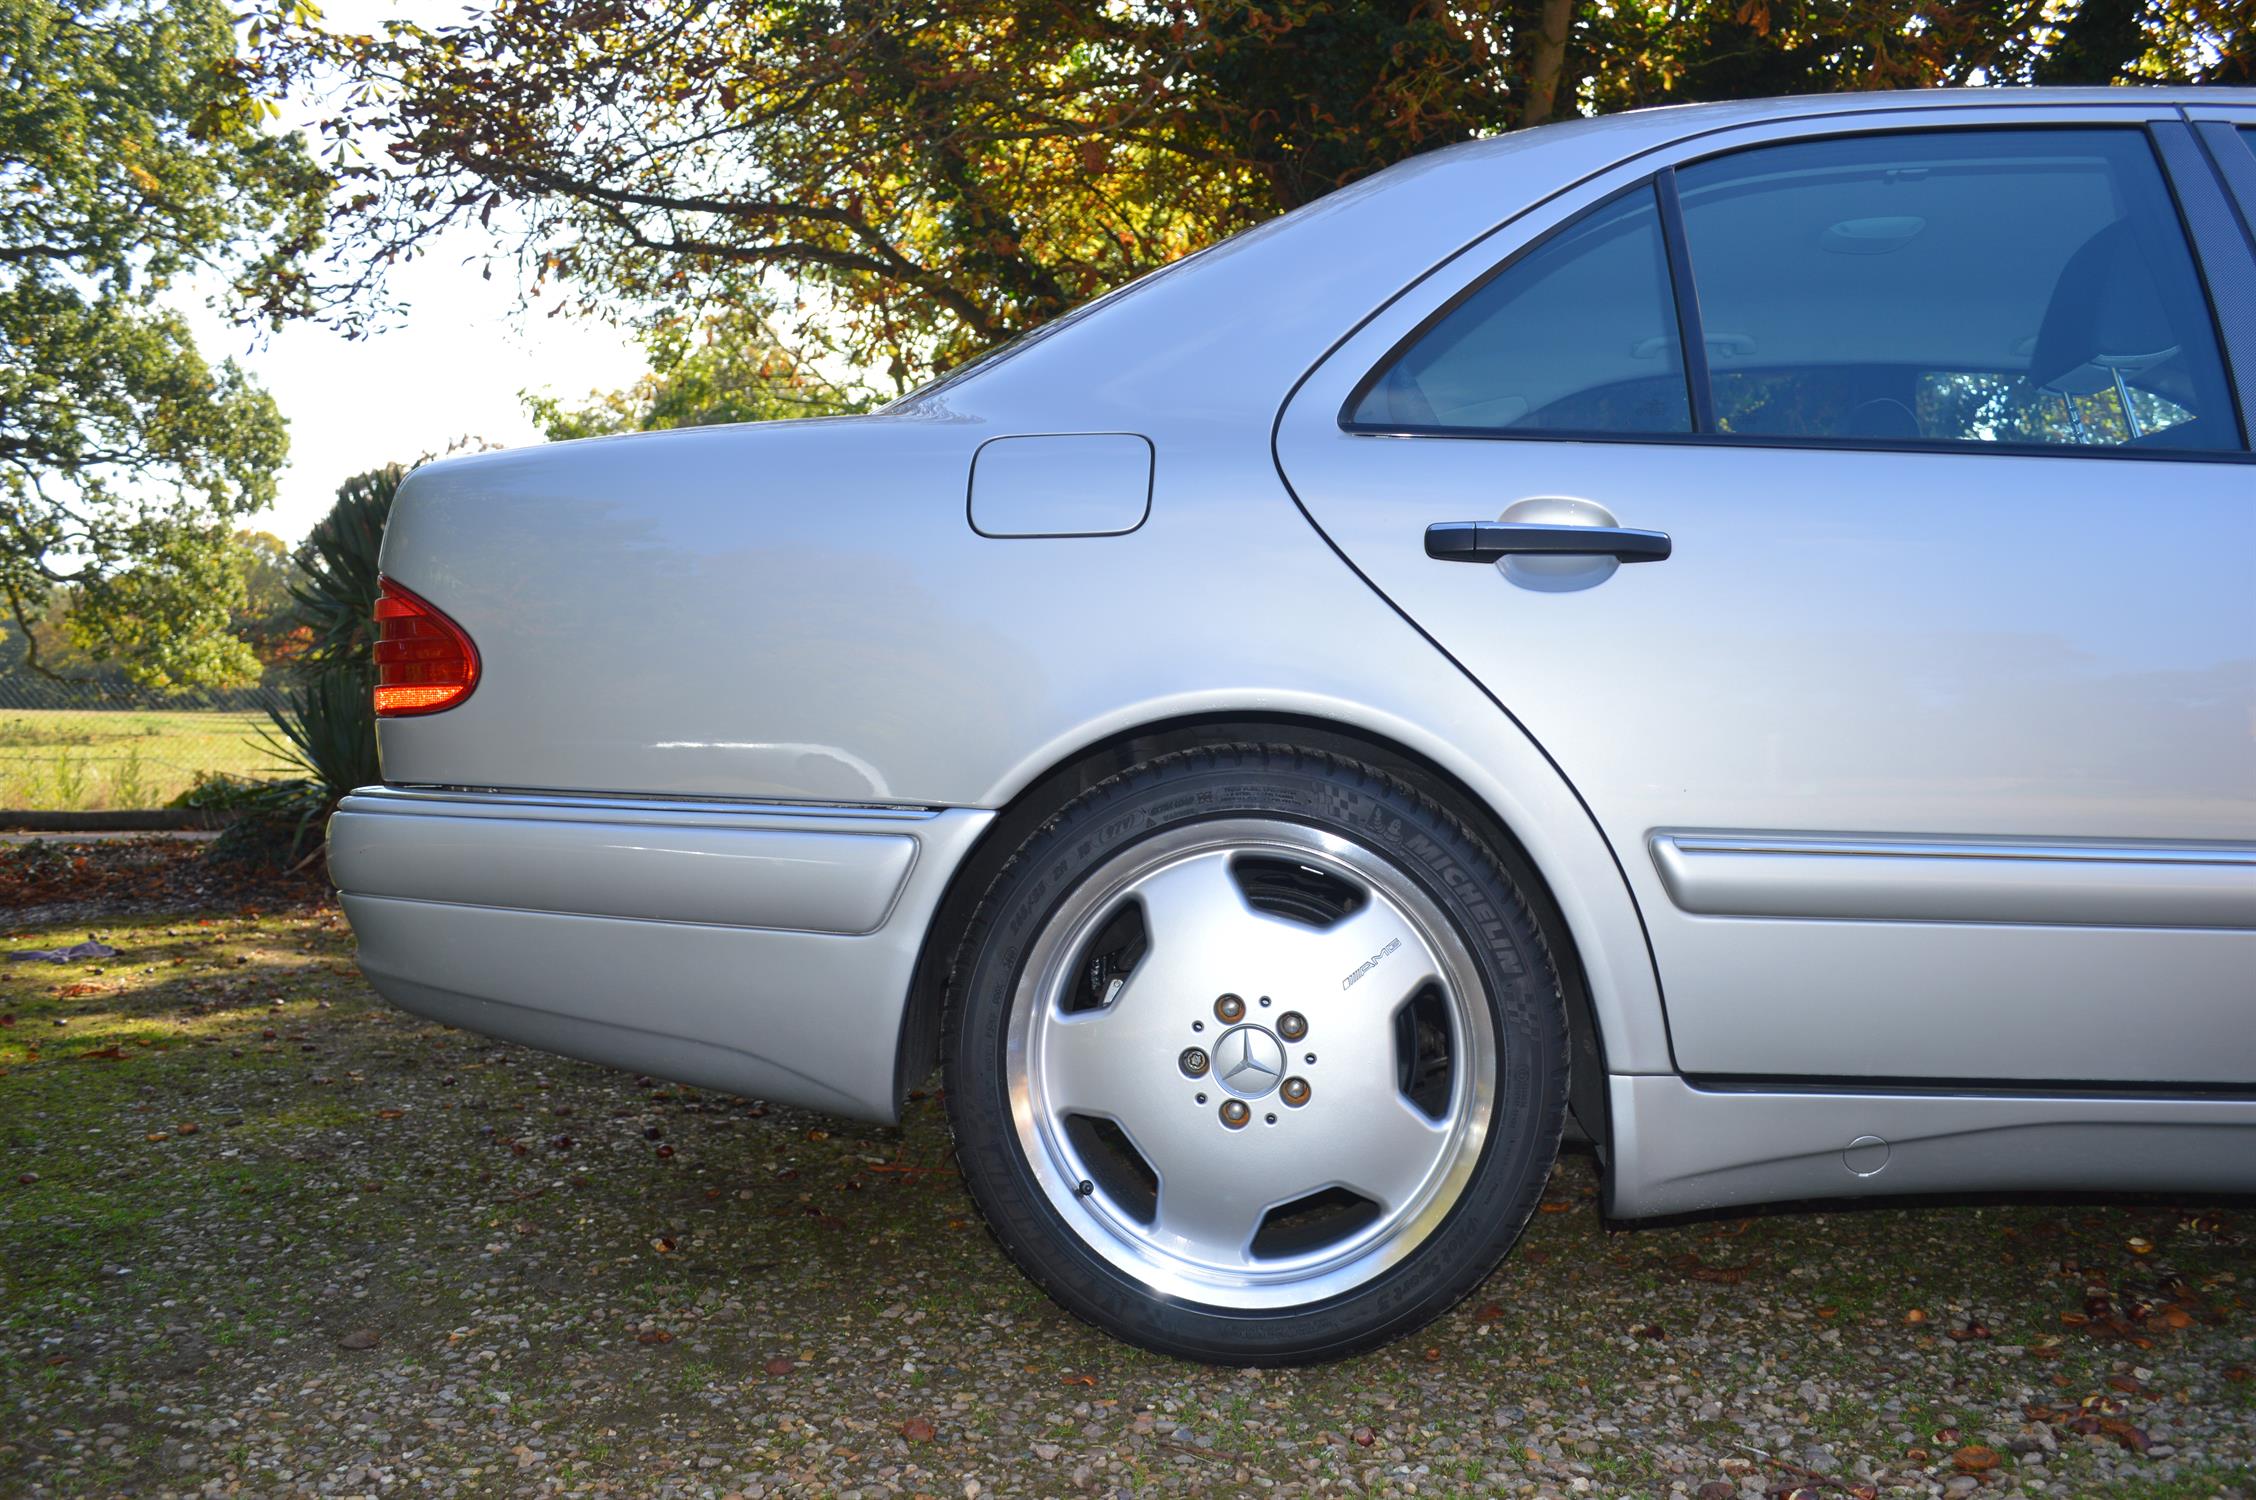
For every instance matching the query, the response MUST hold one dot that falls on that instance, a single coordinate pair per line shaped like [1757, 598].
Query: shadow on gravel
[262, 1233]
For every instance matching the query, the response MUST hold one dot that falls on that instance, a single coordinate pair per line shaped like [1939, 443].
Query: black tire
[1420, 839]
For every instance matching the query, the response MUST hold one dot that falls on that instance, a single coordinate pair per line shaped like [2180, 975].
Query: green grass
[76, 759]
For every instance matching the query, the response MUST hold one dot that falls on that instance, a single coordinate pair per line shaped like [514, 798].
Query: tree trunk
[1546, 61]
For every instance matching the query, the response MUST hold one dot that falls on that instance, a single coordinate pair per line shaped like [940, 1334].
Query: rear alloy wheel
[1259, 1057]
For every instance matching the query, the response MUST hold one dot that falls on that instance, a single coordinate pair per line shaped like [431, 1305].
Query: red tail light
[424, 663]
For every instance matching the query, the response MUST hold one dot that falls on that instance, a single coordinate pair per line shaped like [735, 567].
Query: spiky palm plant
[324, 728]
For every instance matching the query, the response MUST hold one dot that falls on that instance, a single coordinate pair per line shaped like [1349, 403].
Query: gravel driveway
[262, 1235]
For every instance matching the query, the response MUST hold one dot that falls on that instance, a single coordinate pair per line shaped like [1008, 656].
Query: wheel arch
[1041, 796]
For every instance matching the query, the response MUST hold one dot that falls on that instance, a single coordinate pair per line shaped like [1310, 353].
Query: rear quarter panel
[803, 612]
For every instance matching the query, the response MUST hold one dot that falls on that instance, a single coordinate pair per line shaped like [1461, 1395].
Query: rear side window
[2007, 286]
[1577, 336]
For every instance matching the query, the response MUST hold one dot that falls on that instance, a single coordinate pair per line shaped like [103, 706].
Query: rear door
[1929, 748]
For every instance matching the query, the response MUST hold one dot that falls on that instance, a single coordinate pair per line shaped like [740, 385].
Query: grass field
[78, 759]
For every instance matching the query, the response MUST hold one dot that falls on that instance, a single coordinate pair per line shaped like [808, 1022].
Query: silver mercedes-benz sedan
[1729, 631]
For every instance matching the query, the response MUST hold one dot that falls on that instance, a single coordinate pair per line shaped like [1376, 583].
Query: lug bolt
[1235, 1113]
[1229, 1010]
[1193, 1062]
[1292, 1025]
[1294, 1092]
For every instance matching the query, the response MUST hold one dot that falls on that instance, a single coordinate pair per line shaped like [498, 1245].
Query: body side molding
[2097, 884]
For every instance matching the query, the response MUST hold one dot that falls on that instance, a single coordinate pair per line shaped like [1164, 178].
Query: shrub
[324, 724]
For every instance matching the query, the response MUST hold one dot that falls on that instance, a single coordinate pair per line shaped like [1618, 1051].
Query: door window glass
[2008, 286]
[1579, 335]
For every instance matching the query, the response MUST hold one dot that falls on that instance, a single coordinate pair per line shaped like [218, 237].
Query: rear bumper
[762, 949]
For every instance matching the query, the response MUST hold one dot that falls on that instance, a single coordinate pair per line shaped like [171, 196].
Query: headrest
[2105, 315]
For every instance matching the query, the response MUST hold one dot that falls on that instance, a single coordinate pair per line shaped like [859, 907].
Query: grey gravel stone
[595, 1320]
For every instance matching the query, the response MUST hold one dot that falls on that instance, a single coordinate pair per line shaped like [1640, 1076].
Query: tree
[920, 179]
[267, 619]
[728, 367]
[131, 157]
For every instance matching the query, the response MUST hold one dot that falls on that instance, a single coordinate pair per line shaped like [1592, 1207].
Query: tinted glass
[2024, 286]
[1578, 335]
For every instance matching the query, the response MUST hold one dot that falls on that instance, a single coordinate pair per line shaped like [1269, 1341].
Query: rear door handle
[1487, 541]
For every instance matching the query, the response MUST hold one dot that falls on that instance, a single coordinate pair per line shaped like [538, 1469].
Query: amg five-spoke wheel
[1267, 1072]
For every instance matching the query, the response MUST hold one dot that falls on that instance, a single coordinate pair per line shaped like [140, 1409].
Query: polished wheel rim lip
[1419, 1195]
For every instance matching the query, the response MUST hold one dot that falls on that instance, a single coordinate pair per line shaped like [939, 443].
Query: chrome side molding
[2094, 884]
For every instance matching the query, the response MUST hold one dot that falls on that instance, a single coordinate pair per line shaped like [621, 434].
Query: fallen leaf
[159, 1135]
[2124, 1433]
[186, 1127]
[1975, 1459]
[26, 1179]
[1487, 1312]
[918, 1430]
[1088, 1380]
[1916, 1315]
[389, 1114]
[361, 1338]
[111, 1053]
[1975, 1329]
[1364, 1437]
[664, 1245]
[1693, 1268]
[654, 1336]
[780, 1366]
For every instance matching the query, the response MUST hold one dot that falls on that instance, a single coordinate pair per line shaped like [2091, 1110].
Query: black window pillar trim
[1687, 298]
[2234, 161]
[2218, 244]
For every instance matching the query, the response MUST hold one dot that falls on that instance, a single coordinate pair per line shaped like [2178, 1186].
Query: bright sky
[450, 367]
